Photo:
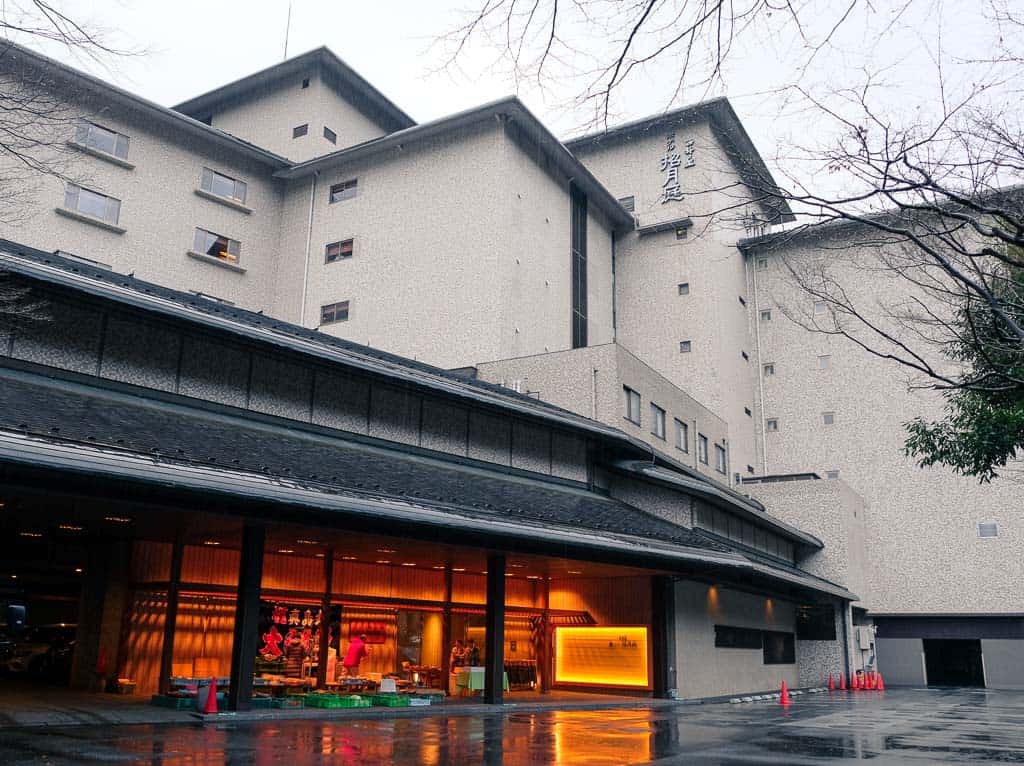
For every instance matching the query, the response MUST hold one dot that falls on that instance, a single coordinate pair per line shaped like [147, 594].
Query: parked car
[42, 650]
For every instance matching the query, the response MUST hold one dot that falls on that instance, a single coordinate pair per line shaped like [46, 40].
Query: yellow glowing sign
[602, 656]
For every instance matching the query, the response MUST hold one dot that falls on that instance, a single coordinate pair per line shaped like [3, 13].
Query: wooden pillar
[494, 664]
[545, 666]
[325, 619]
[663, 635]
[171, 615]
[446, 630]
[247, 616]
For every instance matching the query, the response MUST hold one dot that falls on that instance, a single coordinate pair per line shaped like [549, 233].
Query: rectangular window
[831, 474]
[334, 312]
[337, 251]
[769, 369]
[819, 308]
[344, 190]
[305, 82]
[766, 315]
[728, 637]
[657, 421]
[743, 301]
[628, 203]
[92, 204]
[702, 448]
[816, 622]
[330, 135]
[747, 412]
[223, 186]
[745, 355]
[681, 232]
[102, 139]
[720, 464]
[771, 424]
[578, 255]
[685, 347]
[684, 288]
[217, 246]
[988, 529]
[779, 648]
[762, 264]
[682, 436]
[300, 130]
[825, 362]
[828, 418]
[632, 405]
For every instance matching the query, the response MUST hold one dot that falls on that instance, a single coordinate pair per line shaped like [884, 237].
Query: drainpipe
[615, 331]
[309, 240]
[760, 367]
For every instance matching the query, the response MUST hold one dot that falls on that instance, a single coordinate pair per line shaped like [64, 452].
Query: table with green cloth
[472, 680]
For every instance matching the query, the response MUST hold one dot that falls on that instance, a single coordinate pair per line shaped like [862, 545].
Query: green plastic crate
[288, 703]
[335, 701]
[176, 703]
[390, 700]
[261, 703]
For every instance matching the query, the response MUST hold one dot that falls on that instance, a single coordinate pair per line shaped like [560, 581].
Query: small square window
[771, 424]
[988, 529]
[743, 301]
[334, 312]
[747, 412]
[344, 190]
[681, 232]
[745, 355]
[305, 82]
[766, 315]
[330, 135]
[337, 251]
[825, 362]
[682, 436]
[632, 404]
[702, 448]
[820, 308]
[628, 203]
[684, 288]
[300, 130]
[762, 264]
[750, 469]
[832, 475]
[768, 369]
[828, 418]
[684, 347]
[657, 421]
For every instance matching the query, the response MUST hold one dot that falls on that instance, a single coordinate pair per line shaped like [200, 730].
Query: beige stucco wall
[428, 281]
[922, 546]
[589, 382]
[703, 670]
[268, 118]
[652, 318]
[160, 211]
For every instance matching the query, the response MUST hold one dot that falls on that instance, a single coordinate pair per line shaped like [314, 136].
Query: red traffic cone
[872, 680]
[842, 682]
[855, 682]
[881, 683]
[831, 683]
[784, 695]
[211, 699]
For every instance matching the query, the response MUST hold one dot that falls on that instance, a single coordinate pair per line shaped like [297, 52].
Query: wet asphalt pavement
[900, 726]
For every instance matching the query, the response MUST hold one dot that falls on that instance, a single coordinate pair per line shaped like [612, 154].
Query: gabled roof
[718, 112]
[517, 117]
[12, 54]
[339, 75]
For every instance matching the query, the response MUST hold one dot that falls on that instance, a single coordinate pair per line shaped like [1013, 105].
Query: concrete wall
[1004, 663]
[901, 661]
[921, 522]
[817, 660]
[589, 381]
[267, 119]
[703, 670]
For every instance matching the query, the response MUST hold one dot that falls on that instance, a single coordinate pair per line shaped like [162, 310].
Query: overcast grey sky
[192, 46]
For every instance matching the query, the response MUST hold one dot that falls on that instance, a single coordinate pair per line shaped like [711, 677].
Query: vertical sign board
[606, 656]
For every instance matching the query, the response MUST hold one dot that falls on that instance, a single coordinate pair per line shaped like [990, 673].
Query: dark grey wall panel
[281, 387]
[444, 427]
[143, 355]
[341, 402]
[214, 371]
[68, 338]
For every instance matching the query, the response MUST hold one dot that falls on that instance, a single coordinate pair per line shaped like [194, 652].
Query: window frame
[229, 242]
[300, 130]
[768, 369]
[686, 347]
[682, 436]
[630, 396]
[628, 203]
[330, 135]
[766, 315]
[657, 421]
[683, 288]
[213, 175]
[343, 190]
[702, 449]
[721, 459]
[351, 241]
[822, 305]
[824, 362]
[74, 191]
[828, 418]
[771, 424]
[84, 130]
[335, 308]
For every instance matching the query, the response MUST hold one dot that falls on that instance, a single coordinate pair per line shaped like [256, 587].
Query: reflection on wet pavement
[925, 726]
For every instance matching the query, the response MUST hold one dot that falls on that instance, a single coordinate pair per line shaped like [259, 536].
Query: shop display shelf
[290, 702]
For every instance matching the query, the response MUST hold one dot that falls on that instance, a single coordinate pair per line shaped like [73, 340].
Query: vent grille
[988, 529]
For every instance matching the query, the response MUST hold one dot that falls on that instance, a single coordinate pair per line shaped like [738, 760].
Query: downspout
[760, 367]
[615, 333]
[309, 241]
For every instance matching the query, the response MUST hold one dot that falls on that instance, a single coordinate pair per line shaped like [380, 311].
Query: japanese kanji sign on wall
[671, 191]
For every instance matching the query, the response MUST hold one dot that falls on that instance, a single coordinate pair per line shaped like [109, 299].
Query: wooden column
[325, 619]
[663, 635]
[171, 615]
[247, 617]
[446, 631]
[545, 666]
[494, 664]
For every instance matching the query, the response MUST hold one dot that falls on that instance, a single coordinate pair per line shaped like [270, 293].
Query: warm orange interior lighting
[712, 600]
[602, 656]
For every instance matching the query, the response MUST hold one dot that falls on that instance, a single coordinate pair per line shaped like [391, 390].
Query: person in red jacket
[356, 651]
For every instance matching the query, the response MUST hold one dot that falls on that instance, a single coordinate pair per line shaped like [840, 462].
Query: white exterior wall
[430, 281]
[922, 540]
[160, 211]
[267, 120]
[652, 318]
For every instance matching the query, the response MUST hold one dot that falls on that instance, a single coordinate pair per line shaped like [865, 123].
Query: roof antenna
[287, 28]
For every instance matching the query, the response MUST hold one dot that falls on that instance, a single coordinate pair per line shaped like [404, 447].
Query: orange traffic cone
[784, 695]
[211, 700]
[842, 682]
[881, 683]
[831, 683]
[855, 682]
[872, 680]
